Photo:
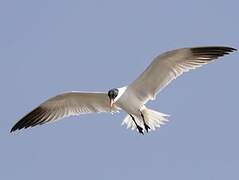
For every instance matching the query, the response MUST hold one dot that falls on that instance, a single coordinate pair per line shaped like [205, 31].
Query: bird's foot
[140, 129]
[146, 127]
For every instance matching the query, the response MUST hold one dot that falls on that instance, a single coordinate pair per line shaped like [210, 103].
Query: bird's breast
[129, 103]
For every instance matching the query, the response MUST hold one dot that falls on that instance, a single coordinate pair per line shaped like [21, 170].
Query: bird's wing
[169, 65]
[63, 105]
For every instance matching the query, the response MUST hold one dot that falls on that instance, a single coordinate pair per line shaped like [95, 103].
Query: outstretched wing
[168, 66]
[64, 105]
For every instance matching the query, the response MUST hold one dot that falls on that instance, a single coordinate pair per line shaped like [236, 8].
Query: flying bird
[132, 98]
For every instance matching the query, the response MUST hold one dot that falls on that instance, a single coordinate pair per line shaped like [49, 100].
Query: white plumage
[132, 98]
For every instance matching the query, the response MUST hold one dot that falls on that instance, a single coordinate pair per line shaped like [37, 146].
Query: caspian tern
[132, 98]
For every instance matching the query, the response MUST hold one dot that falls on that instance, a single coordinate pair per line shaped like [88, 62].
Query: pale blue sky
[47, 47]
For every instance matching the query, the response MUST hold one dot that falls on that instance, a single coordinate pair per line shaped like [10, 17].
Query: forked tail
[152, 118]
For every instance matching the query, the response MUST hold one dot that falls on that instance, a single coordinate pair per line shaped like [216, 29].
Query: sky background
[48, 47]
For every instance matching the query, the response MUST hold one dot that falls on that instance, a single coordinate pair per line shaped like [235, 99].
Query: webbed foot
[140, 129]
[146, 127]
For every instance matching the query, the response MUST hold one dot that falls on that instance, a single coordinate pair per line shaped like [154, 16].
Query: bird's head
[113, 93]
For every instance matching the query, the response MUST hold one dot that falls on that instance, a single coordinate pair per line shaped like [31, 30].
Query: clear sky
[47, 47]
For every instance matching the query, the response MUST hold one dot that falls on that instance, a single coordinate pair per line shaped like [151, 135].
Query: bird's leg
[140, 129]
[145, 125]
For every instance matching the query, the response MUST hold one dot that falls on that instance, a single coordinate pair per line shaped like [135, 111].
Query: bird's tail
[152, 118]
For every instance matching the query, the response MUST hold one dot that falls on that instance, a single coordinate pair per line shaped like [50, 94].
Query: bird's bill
[111, 103]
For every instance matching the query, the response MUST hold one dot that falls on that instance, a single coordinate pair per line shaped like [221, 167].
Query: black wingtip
[213, 49]
[31, 119]
[12, 130]
[212, 52]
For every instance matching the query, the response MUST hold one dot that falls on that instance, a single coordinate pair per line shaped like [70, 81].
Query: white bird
[132, 98]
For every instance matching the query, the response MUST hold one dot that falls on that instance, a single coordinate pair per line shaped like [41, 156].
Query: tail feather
[129, 122]
[152, 118]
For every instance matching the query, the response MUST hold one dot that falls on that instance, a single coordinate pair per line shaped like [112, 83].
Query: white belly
[129, 103]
